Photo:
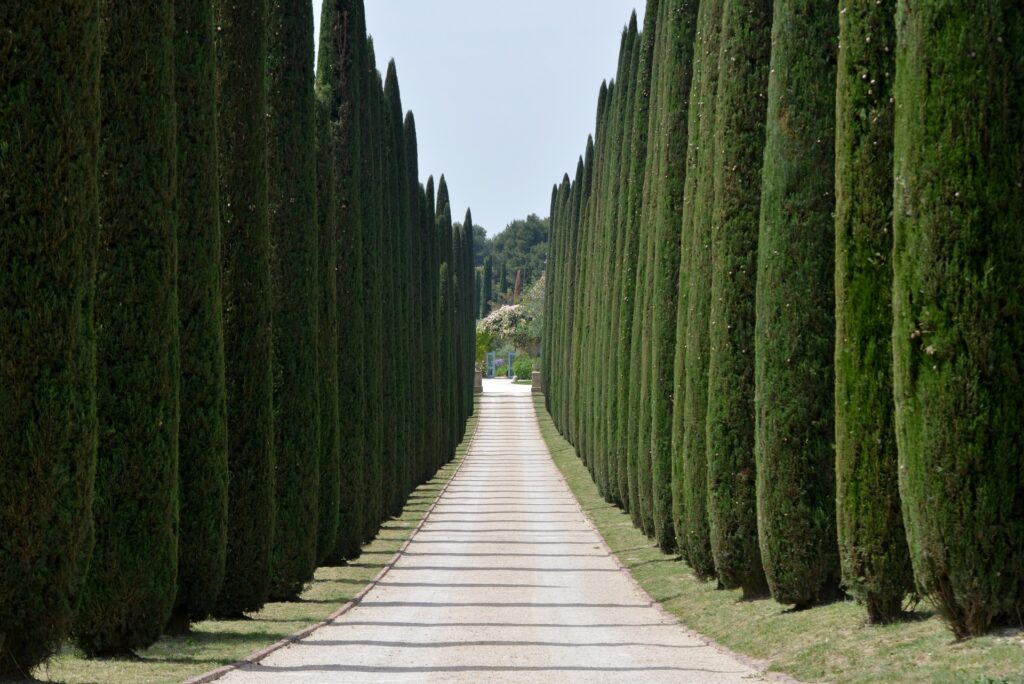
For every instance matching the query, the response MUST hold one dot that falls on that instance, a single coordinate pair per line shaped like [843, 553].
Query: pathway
[506, 581]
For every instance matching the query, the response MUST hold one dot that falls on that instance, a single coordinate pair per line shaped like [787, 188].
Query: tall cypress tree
[615, 209]
[203, 455]
[740, 114]
[686, 31]
[327, 321]
[242, 131]
[293, 224]
[872, 541]
[959, 328]
[795, 310]
[347, 71]
[130, 587]
[49, 121]
[373, 270]
[691, 358]
[396, 235]
[487, 296]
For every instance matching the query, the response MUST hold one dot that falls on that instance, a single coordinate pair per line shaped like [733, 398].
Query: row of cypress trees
[237, 329]
[804, 381]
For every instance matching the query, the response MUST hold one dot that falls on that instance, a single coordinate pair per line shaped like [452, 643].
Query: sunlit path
[505, 582]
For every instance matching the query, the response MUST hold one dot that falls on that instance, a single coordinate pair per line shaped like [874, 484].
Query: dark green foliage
[242, 137]
[373, 270]
[327, 324]
[346, 77]
[293, 224]
[487, 294]
[522, 245]
[795, 328]
[739, 150]
[396, 234]
[694, 280]
[203, 455]
[872, 542]
[130, 586]
[630, 251]
[49, 121]
[958, 321]
[681, 132]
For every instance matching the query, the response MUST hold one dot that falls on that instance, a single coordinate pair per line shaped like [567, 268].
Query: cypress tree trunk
[242, 108]
[348, 68]
[959, 327]
[678, 130]
[739, 151]
[130, 587]
[203, 455]
[293, 223]
[795, 310]
[47, 349]
[872, 541]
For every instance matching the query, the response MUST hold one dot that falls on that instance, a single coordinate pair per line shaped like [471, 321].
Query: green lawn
[215, 643]
[831, 643]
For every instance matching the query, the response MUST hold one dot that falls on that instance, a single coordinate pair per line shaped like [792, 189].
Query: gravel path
[506, 581]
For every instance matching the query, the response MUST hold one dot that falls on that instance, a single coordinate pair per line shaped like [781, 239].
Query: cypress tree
[242, 132]
[49, 121]
[694, 278]
[293, 224]
[685, 148]
[614, 220]
[795, 328]
[958, 323]
[130, 587]
[872, 541]
[347, 70]
[203, 456]
[396, 228]
[634, 137]
[373, 208]
[327, 318]
[740, 112]
[374, 274]
[467, 327]
[487, 296]
[503, 279]
[419, 413]
[630, 254]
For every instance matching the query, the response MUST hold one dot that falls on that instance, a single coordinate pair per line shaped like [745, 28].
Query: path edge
[257, 656]
[759, 665]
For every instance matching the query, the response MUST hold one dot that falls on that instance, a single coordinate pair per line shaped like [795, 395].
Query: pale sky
[504, 93]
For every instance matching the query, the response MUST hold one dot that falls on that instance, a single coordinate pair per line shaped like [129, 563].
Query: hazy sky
[504, 93]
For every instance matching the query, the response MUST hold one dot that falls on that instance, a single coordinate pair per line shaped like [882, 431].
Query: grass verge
[832, 643]
[215, 643]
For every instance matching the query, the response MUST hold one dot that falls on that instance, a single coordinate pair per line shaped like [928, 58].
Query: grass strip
[215, 643]
[831, 643]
